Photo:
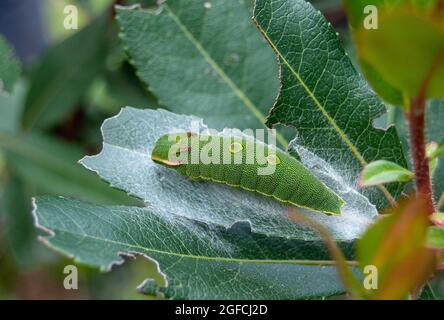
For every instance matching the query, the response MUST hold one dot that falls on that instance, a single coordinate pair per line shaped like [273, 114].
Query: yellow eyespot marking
[235, 147]
[273, 159]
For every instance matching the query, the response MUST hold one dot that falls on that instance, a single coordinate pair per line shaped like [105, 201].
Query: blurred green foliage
[49, 119]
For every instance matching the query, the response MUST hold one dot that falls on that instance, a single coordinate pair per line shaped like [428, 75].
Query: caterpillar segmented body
[288, 181]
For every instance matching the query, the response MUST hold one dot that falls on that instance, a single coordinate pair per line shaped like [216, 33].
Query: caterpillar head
[169, 146]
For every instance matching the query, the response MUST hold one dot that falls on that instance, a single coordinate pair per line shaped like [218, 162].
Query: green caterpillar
[290, 182]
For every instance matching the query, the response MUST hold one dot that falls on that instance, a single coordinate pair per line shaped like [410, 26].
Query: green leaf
[382, 171]
[51, 166]
[9, 67]
[20, 233]
[125, 162]
[435, 237]
[11, 108]
[198, 261]
[65, 73]
[405, 49]
[323, 96]
[395, 246]
[201, 60]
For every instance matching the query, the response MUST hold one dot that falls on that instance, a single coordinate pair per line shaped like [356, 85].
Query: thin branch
[417, 142]
[416, 117]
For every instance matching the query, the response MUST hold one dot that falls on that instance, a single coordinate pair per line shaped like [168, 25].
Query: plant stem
[416, 118]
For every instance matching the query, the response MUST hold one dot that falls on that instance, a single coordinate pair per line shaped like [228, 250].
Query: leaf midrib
[195, 257]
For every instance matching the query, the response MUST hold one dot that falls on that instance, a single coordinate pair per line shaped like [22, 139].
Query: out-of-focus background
[71, 81]
[79, 77]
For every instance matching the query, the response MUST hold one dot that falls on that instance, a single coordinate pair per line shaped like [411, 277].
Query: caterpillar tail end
[337, 211]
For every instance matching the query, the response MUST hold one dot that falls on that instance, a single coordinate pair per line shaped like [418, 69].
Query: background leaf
[10, 71]
[206, 61]
[408, 42]
[66, 72]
